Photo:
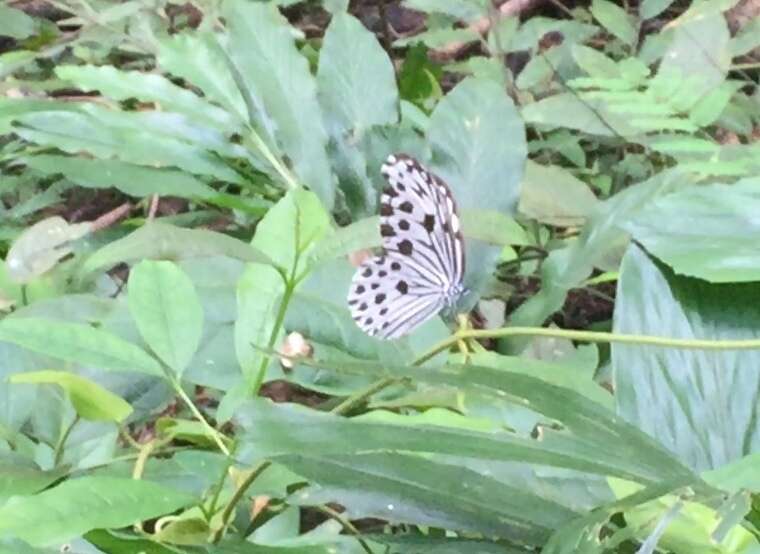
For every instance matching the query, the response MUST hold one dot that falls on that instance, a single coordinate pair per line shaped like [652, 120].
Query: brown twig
[153, 207]
[482, 25]
[109, 218]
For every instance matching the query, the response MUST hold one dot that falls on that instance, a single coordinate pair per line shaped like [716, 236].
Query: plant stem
[236, 497]
[348, 526]
[199, 416]
[359, 397]
[58, 452]
[591, 336]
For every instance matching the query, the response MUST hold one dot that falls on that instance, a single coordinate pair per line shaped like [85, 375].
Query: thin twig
[109, 218]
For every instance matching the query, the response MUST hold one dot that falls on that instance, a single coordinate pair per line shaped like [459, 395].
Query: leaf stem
[348, 526]
[199, 416]
[591, 336]
[359, 397]
[58, 452]
[236, 497]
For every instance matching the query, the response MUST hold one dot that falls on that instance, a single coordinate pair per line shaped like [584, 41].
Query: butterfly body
[421, 271]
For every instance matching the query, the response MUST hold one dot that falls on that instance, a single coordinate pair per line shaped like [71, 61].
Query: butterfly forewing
[423, 264]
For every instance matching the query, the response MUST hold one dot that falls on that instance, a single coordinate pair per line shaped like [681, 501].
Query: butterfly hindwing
[387, 300]
[423, 264]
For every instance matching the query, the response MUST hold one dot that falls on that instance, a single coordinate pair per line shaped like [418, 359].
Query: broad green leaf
[147, 87]
[554, 196]
[707, 232]
[569, 111]
[156, 240]
[346, 240]
[652, 8]
[130, 179]
[699, 55]
[275, 430]
[15, 23]
[615, 20]
[259, 295]
[291, 229]
[90, 400]
[478, 142]
[77, 343]
[41, 246]
[165, 306]
[199, 59]
[586, 429]
[467, 132]
[357, 83]
[80, 505]
[19, 476]
[702, 406]
[493, 227]
[147, 138]
[277, 76]
[415, 490]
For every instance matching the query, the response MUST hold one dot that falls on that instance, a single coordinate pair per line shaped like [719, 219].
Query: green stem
[229, 509]
[199, 416]
[591, 336]
[358, 398]
[348, 526]
[58, 452]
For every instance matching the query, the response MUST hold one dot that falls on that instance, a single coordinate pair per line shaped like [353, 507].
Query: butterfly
[420, 271]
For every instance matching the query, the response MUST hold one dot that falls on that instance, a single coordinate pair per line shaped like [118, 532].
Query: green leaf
[591, 116]
[19, 476]
[147, 138]
[427, 544]
[167, 311]
[130, 179]
[552, 195]
[146, 87]
[275, 430]
[707, 232]
[90, 400]
[411, 489]
[467, 133]
[699, 54]
[701, 406]
[593, 62]
[586, 428]
[259, 294]
[357, 83]
[80, 344]
[277, 75]
[346, 240]
[157, 240]
[15, 23]
[652, 8]
[80, 505]
[199, 59]
[291, 229]
[615, 20]
[493, 227]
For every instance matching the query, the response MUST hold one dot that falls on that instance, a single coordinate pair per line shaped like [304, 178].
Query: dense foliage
[184, 184]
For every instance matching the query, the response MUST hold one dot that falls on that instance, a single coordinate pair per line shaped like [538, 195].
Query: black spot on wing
[405, 247]
[429, 223]
[386, 210]
[387, 230]
[402, 287]
[406, 206]
[403, 225]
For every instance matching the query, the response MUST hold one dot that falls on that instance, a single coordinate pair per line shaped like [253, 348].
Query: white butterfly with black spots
[421, 269]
